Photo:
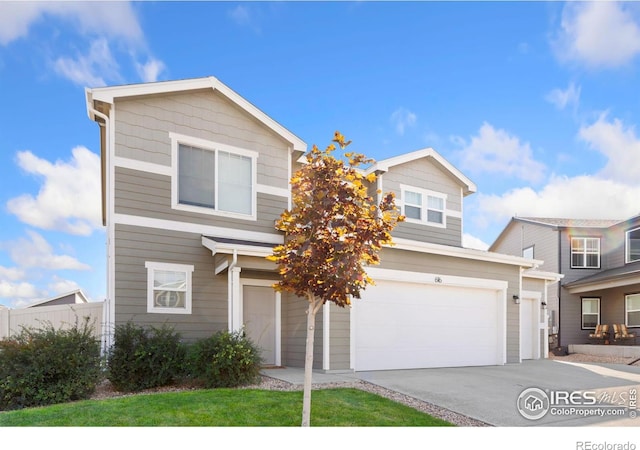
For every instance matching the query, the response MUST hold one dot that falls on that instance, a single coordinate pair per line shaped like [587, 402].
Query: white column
[236, 300]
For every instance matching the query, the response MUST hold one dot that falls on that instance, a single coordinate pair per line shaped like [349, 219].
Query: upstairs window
[633, 245]
[527, 252]
[423, 206]
[585, 253]
[213, 178]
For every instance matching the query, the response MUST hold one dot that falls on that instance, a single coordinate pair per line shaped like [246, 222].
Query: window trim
[176, 140]
[424, 209]
[627, 247]
[151, 267]
[582, 299]
[626, 310]
[585, 253]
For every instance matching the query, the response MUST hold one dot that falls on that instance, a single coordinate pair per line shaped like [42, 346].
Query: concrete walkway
[490, 393]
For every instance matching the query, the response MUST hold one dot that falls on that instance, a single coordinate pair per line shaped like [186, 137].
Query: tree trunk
[314, 307]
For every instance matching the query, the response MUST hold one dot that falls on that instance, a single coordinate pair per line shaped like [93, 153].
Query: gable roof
[385, 164]
[78, 294]
[573, 223]
[110, 93]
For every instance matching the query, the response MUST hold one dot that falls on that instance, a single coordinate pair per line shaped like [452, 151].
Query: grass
[340, 407]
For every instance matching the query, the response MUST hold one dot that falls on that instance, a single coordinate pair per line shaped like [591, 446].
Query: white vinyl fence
[59, 316]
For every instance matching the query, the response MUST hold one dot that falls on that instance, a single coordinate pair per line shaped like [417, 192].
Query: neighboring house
[70, 298]
[600, 261]
[194, 177]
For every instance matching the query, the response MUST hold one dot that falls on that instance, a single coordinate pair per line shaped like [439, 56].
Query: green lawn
[341, 407]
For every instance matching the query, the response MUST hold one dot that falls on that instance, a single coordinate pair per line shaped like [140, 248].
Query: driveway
[587, 394]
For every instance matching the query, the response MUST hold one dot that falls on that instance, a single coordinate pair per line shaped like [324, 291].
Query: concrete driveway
[577, 394]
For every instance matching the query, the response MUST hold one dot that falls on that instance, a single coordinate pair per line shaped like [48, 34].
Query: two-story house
[599, 261]
[194, 177]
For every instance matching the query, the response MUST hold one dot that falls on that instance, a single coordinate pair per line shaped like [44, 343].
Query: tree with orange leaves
[333, 231]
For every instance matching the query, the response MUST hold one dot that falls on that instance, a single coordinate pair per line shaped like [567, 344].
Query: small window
[632, 310]
[633, 245]
[528, 252]
[423, 206]
[168, 288]
[590, 313]
[585, 253]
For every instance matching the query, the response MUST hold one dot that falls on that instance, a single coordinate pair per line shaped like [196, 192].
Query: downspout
[559, 287]
[108, 311]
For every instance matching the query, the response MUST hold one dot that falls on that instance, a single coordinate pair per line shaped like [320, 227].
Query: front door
[528, 328]
[259, 319]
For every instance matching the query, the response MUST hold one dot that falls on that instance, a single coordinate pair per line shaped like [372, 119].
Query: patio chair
[600, 334]
[622, 334]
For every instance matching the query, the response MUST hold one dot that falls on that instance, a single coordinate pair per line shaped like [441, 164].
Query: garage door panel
[409, 325]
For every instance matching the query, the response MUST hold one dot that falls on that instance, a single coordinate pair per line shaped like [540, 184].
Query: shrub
[45, 366]
[143, 358]
[226, 359]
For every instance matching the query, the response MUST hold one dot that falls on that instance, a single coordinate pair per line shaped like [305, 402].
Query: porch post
[235, 299]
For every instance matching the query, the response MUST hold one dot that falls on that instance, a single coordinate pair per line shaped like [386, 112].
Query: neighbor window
[168, 288]
[590, 313]
[585, 253]
[632, 310]
[424, 206]
[633, 245]
[528, 252]
[211, 177]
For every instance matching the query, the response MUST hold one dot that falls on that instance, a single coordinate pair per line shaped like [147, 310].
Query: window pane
[589, 320]
[412, 212]
[633, 319]
[592, 260]
[633, 302]
[527, 253]
[234, 186]
[633, 245]
[593, 245]
[435, 203]
[169, 299]
[167, 279]
[413, 198]
[577, 245]
[434, 216]
[196, 176]
[577, 260]
[590, 306]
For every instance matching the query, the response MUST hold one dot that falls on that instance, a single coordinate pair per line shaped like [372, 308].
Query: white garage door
[402, 325]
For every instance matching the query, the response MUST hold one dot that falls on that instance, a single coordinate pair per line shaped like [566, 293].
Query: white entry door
[529, 328]
[260, 320]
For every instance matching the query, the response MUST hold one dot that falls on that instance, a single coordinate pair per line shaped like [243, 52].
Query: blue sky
[536, 102]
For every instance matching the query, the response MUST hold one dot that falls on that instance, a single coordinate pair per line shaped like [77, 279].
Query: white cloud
[111, 18]
[150, 70]
[619, 144]
[561, 99]
[401, 119]
[598, 34]
[62, 286]
[20, 290]
[11, 273]
[496, 151]
[469, 241]
[36, 252]
[90, 69]
[69, 198]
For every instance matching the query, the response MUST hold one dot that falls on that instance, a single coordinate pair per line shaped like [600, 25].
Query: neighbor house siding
[446, 265]
[136, 245]
[142, 127]
[424, 174]
[147, 194]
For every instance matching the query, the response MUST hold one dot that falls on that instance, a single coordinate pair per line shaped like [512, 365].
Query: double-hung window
[168, 288]
[632, 310]
[633, 245]
[423, 206]
[590, 312]
[585, 253]
[213, 178]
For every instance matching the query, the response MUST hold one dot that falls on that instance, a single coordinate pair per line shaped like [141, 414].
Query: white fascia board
[385, 164]
[462, 252]
[542, 275]
[108, 94]
[435, 279]
[239, 249]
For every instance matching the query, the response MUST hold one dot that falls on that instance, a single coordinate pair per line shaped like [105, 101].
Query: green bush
[45, 366]
[226, 359]
[143, 358]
